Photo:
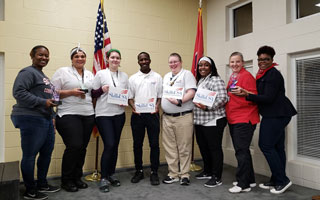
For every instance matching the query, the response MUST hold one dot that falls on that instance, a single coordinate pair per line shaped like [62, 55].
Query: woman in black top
[276, 111]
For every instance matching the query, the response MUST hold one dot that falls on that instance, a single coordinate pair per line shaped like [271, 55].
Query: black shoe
[34, 194]
[213, 182]
[69, 187]
[185, 181]
[113, 181]
[48, 188]
[267, 186]
[138, 176]
[154, 179]
[169, 180]
[80, 184]
[278, 189]
[203, 175]
[104, 185]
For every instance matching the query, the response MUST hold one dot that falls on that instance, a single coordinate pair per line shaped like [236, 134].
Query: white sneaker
[237, 189]
[252, 185]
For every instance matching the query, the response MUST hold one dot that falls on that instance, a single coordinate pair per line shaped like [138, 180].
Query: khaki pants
[177, 142]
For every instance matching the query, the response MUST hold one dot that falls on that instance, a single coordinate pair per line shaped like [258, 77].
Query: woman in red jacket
[242, 118]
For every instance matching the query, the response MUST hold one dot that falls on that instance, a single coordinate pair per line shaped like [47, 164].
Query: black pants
[209, 139]
[271, 143]
[139, 124]
[241, 135]
[110, 128]
[75, 131]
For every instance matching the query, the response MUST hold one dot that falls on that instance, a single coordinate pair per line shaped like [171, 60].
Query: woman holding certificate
[110, 116]
[242, 117]
[210, 120]
[75, 117]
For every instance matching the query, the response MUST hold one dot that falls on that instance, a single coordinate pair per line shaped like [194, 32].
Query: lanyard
[81, 83]
[175, 78]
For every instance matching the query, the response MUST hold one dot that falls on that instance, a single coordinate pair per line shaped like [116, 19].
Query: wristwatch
[179, 102]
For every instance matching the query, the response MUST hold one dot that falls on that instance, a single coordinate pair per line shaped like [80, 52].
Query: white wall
[272, 25]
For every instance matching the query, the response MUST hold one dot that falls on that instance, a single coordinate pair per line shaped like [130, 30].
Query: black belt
[178, 114]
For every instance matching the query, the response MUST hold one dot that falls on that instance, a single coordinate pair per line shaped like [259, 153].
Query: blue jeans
[271, 143]
[110, 128]
[37, 136]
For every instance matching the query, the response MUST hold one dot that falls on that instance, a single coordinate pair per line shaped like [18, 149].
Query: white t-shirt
[113, 79]
[184, 79]
[145, 85]
[68, 78]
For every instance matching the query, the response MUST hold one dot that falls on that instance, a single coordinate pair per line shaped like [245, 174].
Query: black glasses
[263, 59]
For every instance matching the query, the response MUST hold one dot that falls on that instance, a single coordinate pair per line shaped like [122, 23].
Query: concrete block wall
[158, 27]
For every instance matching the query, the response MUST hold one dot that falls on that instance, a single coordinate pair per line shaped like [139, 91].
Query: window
[1, 10]
[241, 17]
[307, 7]
[308, 106]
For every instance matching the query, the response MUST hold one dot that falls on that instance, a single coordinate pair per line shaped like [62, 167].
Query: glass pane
[242, 19]
[1, 10]
[307, 7]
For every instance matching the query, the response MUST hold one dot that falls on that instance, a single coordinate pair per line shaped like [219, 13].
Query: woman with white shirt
[110, 118]
[75, 117]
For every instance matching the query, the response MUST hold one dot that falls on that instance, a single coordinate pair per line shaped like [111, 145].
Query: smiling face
[40, 58]
[144, 62]
[204, 68]
[78, 60]
[264, 61]
[236, 63]
[175, 64]
[114, 61]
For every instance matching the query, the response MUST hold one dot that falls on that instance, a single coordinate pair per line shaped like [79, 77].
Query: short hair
[214, 71]
[266, 50]
[34, 50]
[143, 52]
[176, 55]
[113, 50]
[236, 53]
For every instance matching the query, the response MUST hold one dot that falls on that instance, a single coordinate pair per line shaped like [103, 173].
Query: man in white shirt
[144, 96]
[177, 122]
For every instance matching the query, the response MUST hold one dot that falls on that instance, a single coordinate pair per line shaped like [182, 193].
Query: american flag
[102, 42]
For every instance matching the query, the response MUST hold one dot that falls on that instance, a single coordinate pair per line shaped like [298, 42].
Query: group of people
[82, 101]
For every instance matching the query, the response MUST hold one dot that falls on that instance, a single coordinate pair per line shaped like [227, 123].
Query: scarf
[261, 72]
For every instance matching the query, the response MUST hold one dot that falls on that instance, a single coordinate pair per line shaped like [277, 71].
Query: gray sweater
[31, 89]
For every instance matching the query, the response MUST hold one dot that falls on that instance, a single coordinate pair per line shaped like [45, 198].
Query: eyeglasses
[263, 59]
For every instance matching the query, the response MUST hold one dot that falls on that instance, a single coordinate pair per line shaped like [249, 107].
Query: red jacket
[238, 109]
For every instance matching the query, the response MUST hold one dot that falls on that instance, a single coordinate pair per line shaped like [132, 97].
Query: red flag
[198, 48]
[102, 42]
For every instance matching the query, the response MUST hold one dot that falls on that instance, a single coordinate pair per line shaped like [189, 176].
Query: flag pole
[193, 166]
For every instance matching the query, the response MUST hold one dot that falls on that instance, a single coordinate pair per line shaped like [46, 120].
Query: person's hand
[239, 91]
[173, 101]
[105, 88]
[50, 103]
[201, 106]
[78, 93]
[156, 110]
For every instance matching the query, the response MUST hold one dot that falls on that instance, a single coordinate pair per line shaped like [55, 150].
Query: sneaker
[237, 189]
[267, 186]
[34, 194]
[213, 182]
[252, 185]
[203, 175]
[185, 181]
[170, 179]
[138, 176]
[104, 185]
[154, 179]
[114, 181]
[278, 189]
[69, 186]
[49, 188]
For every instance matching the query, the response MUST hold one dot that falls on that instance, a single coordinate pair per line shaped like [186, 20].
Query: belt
[178, 114]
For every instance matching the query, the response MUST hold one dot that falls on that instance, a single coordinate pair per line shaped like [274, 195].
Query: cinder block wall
[158, 27]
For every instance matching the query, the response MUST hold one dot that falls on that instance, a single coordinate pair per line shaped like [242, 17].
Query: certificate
[173, 92]
[145, 105]
[118, 96]
[205, 97]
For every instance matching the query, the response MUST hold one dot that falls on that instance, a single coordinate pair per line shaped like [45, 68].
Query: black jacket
[271, 98]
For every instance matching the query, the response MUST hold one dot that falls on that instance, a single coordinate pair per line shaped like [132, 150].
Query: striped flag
[198, 48]
[102, 42]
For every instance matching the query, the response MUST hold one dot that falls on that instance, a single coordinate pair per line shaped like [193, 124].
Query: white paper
[205, 97]
[173, 92]
[118, 96]
[145, 105]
